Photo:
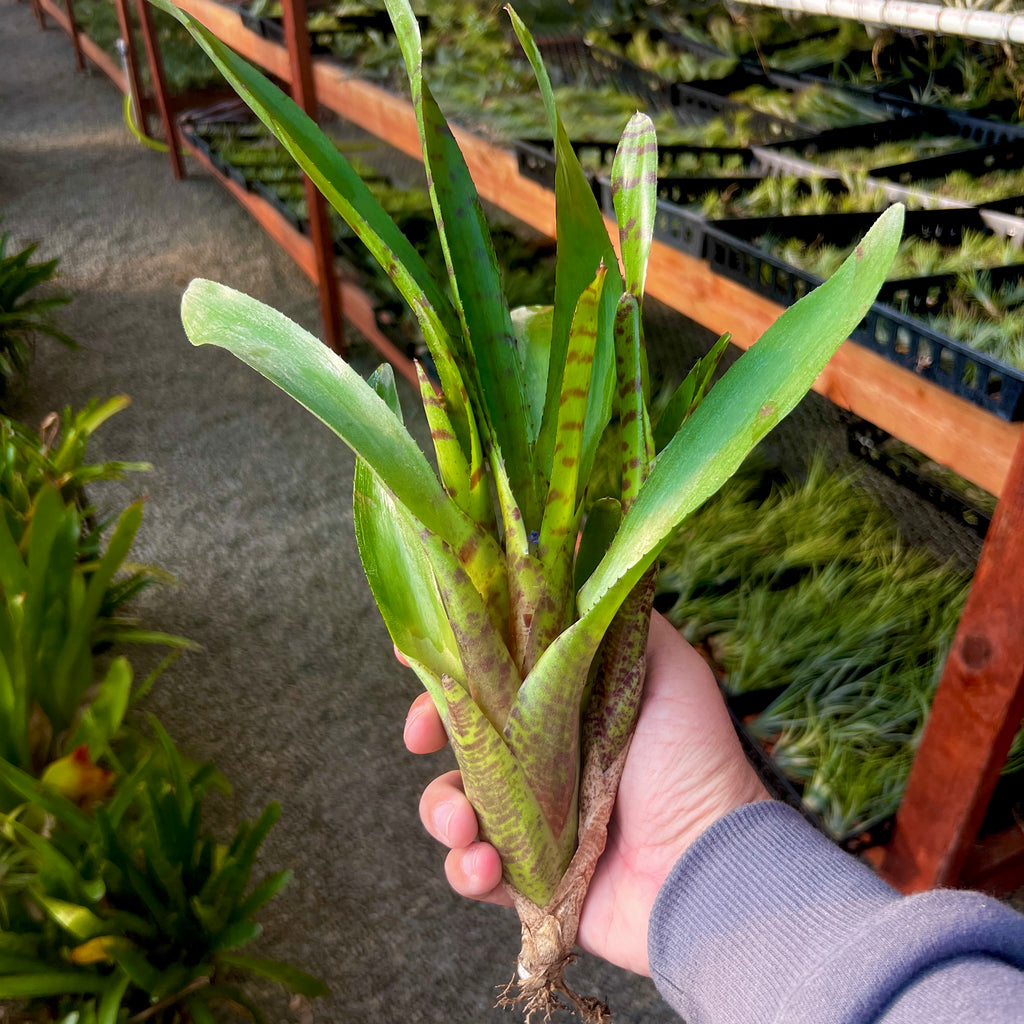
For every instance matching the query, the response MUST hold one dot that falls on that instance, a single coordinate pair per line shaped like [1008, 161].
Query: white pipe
[985, 26]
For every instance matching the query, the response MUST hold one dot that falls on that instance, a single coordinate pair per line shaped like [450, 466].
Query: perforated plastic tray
[730, 249]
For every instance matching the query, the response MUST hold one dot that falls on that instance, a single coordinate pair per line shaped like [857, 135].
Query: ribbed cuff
[764, 920]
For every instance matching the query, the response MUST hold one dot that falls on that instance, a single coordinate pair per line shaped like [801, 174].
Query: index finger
[424, 732]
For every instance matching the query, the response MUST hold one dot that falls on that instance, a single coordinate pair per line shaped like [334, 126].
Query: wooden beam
[156, 71]
[304, 94]
[73, 32]
[94, 52]
[977, 711]
[226, 24]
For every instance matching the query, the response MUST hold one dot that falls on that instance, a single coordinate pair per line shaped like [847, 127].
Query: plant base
[549, 932]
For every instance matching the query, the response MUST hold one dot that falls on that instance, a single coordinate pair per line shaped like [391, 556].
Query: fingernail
[471, 862]
[410, 720]
[442, 818]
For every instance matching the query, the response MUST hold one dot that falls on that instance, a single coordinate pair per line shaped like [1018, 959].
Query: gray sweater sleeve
[764, 920]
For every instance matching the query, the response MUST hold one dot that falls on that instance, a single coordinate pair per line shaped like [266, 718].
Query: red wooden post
[976, 713]
[156, 70]
[76, 43]
[133, 81]
[37, 10]
[304, 93]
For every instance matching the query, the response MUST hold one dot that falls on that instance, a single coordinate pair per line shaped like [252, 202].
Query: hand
[685, 770]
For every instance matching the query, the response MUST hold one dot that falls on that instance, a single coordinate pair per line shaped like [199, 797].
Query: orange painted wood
[227, 25]
[304, 93]
[977, 710]
[96, 54]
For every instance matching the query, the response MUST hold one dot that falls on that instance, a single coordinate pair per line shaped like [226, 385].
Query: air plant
[520, 598]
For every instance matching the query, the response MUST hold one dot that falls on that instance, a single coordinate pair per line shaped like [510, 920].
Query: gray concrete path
[295, 692]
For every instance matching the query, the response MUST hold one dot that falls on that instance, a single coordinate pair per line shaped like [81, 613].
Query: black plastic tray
[585, 64]
[730, 250]
[870, 443]
[923, 295]
[683, 228]
[934, 123]
[981, 160]
[536, 157]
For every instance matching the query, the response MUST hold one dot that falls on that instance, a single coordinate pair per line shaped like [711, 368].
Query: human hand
[685, 770]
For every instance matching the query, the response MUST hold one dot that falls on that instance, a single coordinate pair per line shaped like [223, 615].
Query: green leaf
[199, 1011]
[346, 192]
[236, 934]
[401, 576]
[489, 343]
[262, 894]
[634, 425]
[511, 818]
[560, 518]
[54, 983]
[79, 636]
[435, 615]
[634, 194]
[54, 866]
[32, 790]
[110, 1003]
[290, 977]
[78, 921]
[318, 379]
[102, 717]
[532, 325]
[583, 245]
[764, 384]
[689, 394]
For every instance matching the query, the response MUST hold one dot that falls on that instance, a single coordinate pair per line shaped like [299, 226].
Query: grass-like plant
[860, 623]
[25, 313]
[64, 580]
[130, 910]
[520, 598]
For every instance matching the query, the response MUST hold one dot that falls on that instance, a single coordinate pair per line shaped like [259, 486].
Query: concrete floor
[295, 692]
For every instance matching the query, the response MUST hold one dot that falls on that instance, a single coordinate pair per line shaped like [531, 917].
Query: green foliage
[524, 406]
[859, 625]
[134, 908]
[62, 587]
[114, 901]
[25, 314]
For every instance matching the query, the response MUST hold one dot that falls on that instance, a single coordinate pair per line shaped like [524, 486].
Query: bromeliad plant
[131, 911]
[520, 599]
